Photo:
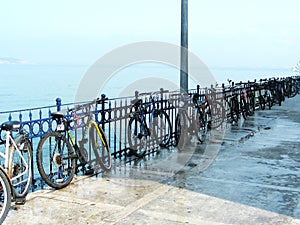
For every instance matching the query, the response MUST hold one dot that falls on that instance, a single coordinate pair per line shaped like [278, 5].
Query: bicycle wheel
[217, 115]
[180, 131]
[244, 108]
[100, 146]
[262, 102]
[56, 160]
[234, 111]
[251, 105]
[293, 90]
[137, 137]
[161, 127]
[5, 196]
[200, 125]
[269, 102]
[21, 167]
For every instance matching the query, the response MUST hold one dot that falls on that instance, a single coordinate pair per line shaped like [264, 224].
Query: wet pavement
[247, 173]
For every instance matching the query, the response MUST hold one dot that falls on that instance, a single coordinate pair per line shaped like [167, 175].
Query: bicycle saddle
[136, 102]
[11, 125]
[57, 115]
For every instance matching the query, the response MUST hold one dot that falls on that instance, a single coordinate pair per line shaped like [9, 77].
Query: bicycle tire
[137, 137]
[162, 129]
[50, 158]
[100, 146]
[293, 90]
[5, 196]
[252, 104]
[262, 102]
[244, 109]
[270, 102]
[234, 111]
[21, 180]
[217, 114]
[201, 125]
[180, 131]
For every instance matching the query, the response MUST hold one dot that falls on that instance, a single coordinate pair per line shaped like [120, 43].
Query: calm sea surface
[26, 86]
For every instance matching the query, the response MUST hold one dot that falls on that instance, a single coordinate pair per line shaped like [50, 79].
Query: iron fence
[112, 114]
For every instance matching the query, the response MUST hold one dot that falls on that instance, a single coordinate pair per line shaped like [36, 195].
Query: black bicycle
[147, 125]
[231, 104]
[192, 119]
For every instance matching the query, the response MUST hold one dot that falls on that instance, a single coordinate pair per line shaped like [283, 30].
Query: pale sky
[231, 33]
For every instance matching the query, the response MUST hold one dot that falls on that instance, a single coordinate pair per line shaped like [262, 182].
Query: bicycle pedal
[89, 172]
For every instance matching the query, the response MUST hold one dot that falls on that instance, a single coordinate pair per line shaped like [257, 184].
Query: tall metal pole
[184, 47]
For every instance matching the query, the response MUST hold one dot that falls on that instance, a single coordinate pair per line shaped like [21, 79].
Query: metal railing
[112, 114]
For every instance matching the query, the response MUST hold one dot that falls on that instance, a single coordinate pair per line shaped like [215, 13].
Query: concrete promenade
[246, 174]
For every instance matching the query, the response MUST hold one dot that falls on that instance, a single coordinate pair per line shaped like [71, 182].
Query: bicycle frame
[73, 142]
[9, 150]
[80, 150]
[196, 107]
[142, 114]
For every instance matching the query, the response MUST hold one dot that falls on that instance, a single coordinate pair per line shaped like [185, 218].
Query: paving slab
[104, 201]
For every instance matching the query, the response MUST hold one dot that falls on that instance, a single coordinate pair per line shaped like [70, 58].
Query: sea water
[32, 86]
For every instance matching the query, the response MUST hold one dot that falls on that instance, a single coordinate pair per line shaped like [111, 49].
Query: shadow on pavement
[255, 163]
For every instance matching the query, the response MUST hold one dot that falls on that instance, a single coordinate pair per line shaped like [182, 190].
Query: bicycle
[58, 152]
[261, 97]
[138, 133]
[231, 104]
[276, 89]
[192, 118]
[251, 96]
[268, 94]
[17, 160]
[246, 101]
[5, 195]
[215, 109]
[292, 86]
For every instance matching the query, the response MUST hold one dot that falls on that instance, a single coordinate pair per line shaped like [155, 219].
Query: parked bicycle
[276, 88]
[292, 86]
[58, 152]
[231, 104]
[215, 108]
[17, 159]
[192, 118]
[5, 195]
[148, 124]
[251, 96]
[261, 96]
[16, 170]
[246, 100]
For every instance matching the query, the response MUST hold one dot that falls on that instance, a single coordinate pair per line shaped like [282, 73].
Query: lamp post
[184, 47]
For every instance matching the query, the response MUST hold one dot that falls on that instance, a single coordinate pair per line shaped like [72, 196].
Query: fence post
[161, 101]
[103, 96]
[198, 89]
[58, 104]
[136, 93]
